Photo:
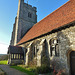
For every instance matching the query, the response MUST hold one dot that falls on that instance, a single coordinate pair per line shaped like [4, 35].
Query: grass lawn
[25, 70]
[3, 62]
[28, 70]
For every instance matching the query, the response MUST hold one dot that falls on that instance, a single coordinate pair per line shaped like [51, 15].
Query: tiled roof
[58, 18]
[15, 50]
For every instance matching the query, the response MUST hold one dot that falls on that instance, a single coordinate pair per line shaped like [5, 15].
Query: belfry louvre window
[29, 15]
[54, 47]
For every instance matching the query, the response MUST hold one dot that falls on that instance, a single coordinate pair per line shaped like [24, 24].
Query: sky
[8, 12]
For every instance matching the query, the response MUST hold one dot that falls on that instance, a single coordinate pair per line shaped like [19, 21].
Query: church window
[25, 51]
[57, 50]
[29, 15]
[34, 50]
[37, 48]
[54, 49]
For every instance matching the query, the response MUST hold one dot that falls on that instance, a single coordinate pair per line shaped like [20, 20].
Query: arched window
[57, 49]
[37, 48]
[29, 15]
[34, 51]
[25, 51]
[54, 49]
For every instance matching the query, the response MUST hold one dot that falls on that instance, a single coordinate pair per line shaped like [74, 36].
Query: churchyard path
[11, 71]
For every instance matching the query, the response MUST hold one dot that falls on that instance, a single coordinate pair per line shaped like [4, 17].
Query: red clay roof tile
[58, 18]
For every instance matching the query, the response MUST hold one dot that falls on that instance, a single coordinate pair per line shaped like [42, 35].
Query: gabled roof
[63, 15]
[15, 50]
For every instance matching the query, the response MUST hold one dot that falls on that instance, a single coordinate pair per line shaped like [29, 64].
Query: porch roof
[15, 50]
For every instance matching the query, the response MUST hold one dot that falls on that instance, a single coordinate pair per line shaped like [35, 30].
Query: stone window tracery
[34, 51]
[25, 51]
[37, 49]
[54, 47]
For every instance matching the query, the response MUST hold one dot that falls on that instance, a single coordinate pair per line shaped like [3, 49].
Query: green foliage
[43, 69]
[34, 70]
[4, 62]
[29, 71]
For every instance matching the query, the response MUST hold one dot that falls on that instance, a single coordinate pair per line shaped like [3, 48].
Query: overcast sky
[8, 12]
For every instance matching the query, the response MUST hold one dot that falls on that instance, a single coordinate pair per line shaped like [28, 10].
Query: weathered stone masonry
[66, 43]
[49, 42]
[25, 19]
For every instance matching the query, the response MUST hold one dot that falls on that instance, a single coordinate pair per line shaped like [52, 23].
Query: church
[50, 41]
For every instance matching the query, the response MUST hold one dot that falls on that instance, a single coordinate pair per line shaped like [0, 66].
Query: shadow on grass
[28, 72]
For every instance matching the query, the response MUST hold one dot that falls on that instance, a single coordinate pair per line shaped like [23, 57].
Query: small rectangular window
[12, 56]
[19, 56]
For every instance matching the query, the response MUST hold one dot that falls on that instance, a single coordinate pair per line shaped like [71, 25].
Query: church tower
[25, 19]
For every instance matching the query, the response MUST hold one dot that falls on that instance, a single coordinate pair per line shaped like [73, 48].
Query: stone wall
[23, 22]
[66, 44]
[13, 33]
[14, 62]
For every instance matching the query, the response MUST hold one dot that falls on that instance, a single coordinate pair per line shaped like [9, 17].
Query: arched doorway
[72, 62]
